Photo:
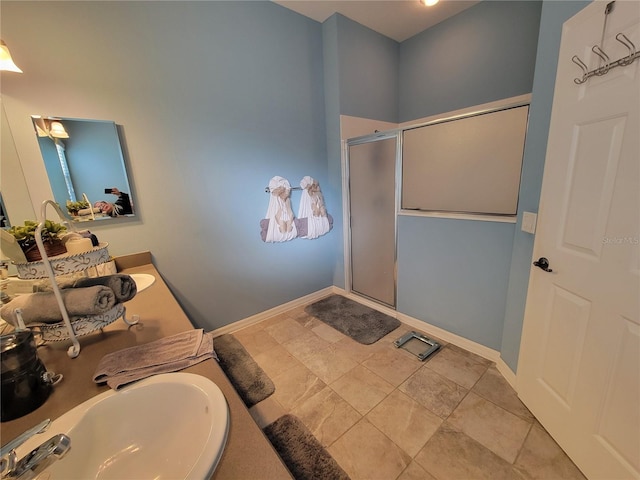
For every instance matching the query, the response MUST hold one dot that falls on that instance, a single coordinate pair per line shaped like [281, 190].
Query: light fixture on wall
[6, 62]
[428, 3]
[56, 130]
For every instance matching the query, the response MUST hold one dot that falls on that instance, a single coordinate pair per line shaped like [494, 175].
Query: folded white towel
[312, 207]
[281, 221]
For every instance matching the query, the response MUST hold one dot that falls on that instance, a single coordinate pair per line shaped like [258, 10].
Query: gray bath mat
[250, 381]
[363, 324]
[301, 452]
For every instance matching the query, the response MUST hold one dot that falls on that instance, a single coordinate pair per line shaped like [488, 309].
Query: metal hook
[575, 59]
[628, 60]
[604, 57]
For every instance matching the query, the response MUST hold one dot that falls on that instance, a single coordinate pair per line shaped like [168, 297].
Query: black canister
[25, 383]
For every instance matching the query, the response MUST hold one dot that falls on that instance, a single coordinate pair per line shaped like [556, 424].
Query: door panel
[579, 366]
[372, 201]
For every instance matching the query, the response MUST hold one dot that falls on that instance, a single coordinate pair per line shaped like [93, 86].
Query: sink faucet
[35, 461]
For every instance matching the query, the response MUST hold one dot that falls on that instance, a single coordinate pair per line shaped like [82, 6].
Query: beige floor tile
[395, 366]
[297, 312]
[415, 472]
[452, 455]
[399, 422]
[306, 320]
[255, 340]
[456, 366]
[393, 335]
[357, 351]
[327, 415]
[500, 431]
[273, 320]
[472, 356]
[496, 389]
[296, 385]
[407, 423]
[306, 345]
[432, 390]
[366, 454]
[329, 366]
[362, 388]
[285, 330]
[542, 458]
[329, 333]
[267, 411]
[275, 360]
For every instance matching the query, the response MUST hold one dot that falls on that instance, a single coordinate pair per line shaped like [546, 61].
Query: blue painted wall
[455, 273]
[554, 14]
[95, 159]
[508, 31]
[255, 90]
[483, 54]
[361, 80]
[368, 72]
[214, 99]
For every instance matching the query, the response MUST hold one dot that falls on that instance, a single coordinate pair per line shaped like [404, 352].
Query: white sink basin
[143, 280]
[169, 426]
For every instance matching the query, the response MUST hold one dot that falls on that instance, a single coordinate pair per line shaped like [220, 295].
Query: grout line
[397, 388]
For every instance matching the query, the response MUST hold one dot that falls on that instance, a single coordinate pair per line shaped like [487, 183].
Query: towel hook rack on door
[607, 64]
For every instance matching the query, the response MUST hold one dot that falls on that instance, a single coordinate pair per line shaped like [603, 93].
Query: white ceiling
[396, 19]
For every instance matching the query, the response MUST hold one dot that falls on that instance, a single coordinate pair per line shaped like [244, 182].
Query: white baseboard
[507, 373]
[272, 312]
[465, 343]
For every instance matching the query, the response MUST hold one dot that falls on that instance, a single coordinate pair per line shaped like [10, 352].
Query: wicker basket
[53, 247]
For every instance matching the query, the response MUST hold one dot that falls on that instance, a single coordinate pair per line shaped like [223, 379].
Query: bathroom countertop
[247, 455]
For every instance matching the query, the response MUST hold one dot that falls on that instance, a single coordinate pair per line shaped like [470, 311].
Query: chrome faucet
[35, 461]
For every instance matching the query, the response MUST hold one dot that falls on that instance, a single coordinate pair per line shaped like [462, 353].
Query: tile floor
[383, 414]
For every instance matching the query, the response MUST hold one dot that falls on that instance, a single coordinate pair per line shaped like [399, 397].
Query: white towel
[281, 225]
[312, 207]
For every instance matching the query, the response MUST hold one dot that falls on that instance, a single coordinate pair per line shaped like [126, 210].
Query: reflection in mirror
[85, 166]
[4, 219]
[16, 201]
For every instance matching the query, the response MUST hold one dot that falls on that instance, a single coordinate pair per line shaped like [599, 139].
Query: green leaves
[27, 231]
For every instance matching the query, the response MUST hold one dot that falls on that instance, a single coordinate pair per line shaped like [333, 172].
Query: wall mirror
[86, 167]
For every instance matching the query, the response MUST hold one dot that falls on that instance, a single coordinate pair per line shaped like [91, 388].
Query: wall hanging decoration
[313, 220]
[280, 225]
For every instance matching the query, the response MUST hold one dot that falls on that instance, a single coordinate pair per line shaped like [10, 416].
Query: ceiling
[396, 19]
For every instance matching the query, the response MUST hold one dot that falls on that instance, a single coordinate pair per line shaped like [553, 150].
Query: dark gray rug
[250, 381]
[363, 324]
[301, 452]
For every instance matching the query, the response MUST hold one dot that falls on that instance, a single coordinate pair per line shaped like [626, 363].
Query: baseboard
[272, 312]
[364, 301]
[465, 343]
[508, 374]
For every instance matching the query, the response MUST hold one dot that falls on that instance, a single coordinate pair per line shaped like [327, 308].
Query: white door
[579, 366]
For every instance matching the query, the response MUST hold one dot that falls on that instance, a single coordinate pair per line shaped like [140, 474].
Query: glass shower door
[372, 203]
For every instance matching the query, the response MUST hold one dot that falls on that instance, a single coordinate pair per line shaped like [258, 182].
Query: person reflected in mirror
[122, 206]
